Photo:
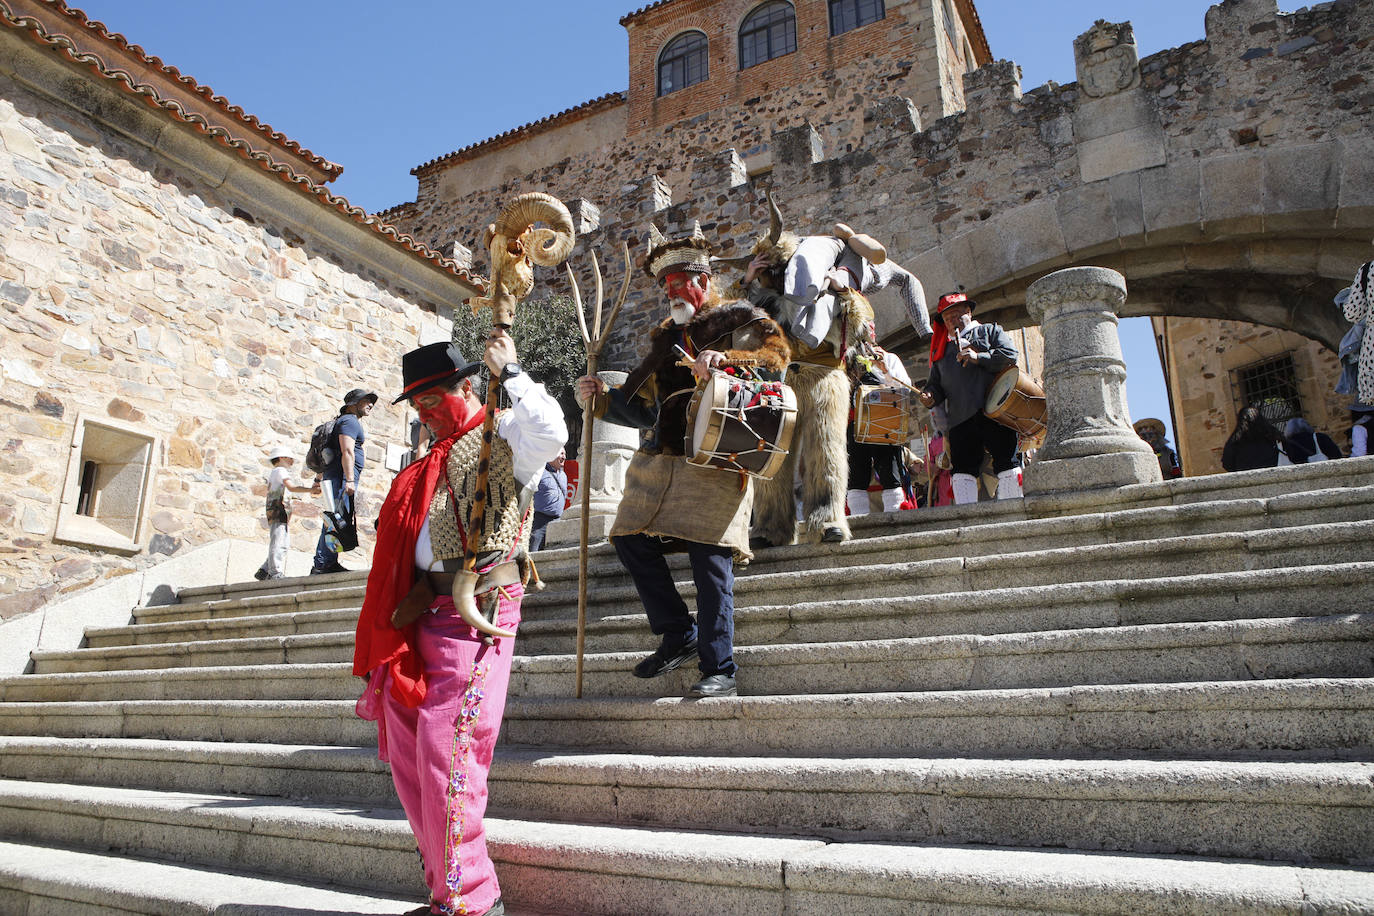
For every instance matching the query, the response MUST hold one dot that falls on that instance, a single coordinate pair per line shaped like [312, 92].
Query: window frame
[663, 57]
[1251, 389]
[767, 31]
[125, 457]
[833, 5]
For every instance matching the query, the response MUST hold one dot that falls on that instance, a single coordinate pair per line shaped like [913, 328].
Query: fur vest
[737, 329]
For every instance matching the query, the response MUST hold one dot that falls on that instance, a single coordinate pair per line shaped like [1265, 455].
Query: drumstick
[743, 362]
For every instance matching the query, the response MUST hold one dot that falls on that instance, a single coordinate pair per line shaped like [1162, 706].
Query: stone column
[1090, 444]
[612, 446]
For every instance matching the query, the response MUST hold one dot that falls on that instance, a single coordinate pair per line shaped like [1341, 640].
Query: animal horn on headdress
[774, 221]
[656, 238]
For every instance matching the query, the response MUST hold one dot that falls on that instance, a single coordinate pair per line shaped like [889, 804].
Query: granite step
[312, 596]
[38, 880]
[900, 540]
[1271, 648]
[316, 722]
[1212, 596]
[1301, 718]
[591, 869]
[331, 681]
[1309, 718]
[1284, 592]
[1341, 542]
[1313, 811]
[287, 622]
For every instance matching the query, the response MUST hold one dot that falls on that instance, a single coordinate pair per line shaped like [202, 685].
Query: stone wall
[1208, 397]
[187, 310]
[830, 82]
[1246, 156]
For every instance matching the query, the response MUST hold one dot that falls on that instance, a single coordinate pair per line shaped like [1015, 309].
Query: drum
[883, 416]
[1017, 402]
[736, 424]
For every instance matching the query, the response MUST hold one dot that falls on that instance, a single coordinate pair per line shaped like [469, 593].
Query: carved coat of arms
[1107, 60]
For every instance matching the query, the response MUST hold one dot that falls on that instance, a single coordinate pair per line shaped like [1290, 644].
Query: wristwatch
[510, 371]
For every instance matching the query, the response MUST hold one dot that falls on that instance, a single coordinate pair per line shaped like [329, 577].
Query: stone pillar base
[1091, 472]
[566, 531]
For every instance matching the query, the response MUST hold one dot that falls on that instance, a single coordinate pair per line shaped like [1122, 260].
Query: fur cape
[737, 329]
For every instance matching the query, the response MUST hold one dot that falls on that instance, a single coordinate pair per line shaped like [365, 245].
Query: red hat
[939, 339]
[949, 300]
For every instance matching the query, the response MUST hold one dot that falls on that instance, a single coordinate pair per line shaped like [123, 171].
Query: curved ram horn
[545, 247]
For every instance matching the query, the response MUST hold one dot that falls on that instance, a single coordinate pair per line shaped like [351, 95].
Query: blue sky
[381, 88]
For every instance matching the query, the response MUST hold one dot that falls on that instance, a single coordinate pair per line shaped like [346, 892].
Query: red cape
[403, 514]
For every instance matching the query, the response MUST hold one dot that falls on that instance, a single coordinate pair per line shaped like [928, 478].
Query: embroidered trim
[460, 758]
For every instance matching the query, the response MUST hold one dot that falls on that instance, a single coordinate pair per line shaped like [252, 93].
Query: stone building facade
[1231, 178]
[178, 294]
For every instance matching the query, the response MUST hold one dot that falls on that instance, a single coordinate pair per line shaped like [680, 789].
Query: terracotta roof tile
[600, 103]
[101, 31]
[64, 45]
[644, 9]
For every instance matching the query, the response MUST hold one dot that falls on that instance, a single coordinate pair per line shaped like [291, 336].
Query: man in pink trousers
[435, 685]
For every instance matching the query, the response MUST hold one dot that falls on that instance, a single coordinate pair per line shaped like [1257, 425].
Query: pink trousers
[440, 753]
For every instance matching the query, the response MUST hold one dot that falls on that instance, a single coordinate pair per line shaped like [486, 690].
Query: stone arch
[1266, 237]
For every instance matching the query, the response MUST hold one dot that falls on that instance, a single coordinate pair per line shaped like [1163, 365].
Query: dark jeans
[865, 460]
[714, 572]
[541, 522]
[324, 557]
[968, 440]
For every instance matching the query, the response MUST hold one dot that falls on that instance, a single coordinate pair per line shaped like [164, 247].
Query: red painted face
[443, 411]
[689, 287]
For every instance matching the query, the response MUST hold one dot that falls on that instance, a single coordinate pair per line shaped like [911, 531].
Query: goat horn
[774, 221]
[545, 247]
[464, 599]
[733, 263]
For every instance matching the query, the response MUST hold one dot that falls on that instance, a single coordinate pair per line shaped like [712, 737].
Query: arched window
[682, 63]
[769, 31]
[850, 14]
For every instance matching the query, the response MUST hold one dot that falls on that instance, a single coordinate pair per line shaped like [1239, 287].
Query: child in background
[279, 511]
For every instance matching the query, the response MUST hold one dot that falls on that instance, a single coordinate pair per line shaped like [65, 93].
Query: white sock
[857, 500]
[965, 488]
[892, 500]
[1008, 484]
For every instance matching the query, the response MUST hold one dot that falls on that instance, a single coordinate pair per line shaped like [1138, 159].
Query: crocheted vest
[451, 507]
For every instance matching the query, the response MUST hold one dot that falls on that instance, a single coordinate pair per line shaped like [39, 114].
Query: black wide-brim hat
[430, 365]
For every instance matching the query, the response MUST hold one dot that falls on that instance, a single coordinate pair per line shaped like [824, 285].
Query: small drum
[1018, 403]
[883, 416]
[736, 424]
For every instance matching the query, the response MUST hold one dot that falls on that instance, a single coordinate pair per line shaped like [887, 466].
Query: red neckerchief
[939, 339]
[403, 514]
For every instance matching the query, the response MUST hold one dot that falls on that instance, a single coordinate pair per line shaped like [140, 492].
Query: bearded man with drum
[965, 358]
[670, 505]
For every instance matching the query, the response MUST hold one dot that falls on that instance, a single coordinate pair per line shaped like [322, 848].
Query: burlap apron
[666, 496]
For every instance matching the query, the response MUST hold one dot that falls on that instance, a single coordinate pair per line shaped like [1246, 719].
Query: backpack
[322, 448]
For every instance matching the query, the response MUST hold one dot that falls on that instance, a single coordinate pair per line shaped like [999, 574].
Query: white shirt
[534, 428]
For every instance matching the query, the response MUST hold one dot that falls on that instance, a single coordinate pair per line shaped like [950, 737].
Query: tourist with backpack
[341, 460]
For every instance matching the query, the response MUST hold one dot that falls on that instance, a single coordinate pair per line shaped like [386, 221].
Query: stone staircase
[1158, 700]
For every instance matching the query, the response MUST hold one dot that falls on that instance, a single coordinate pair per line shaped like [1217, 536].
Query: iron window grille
[1272, 386]
[851, 14]
[769, 31]
[682, 63]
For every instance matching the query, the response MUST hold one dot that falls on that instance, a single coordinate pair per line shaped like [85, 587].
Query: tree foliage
[547, 341]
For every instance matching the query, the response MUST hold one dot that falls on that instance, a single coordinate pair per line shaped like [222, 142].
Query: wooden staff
[594, 340]
[514, 246]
